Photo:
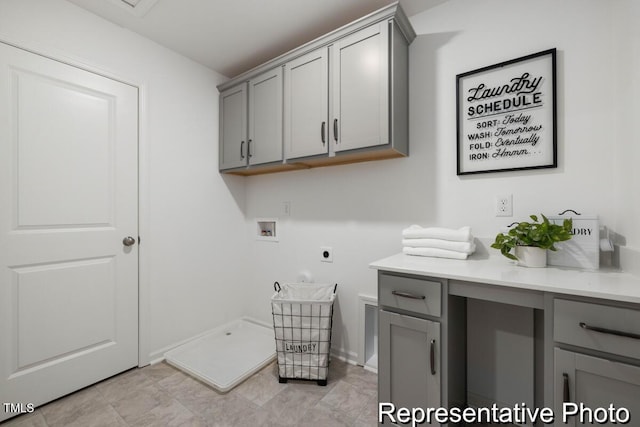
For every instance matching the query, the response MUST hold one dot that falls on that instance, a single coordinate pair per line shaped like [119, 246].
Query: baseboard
[156, 361]
[344, 355]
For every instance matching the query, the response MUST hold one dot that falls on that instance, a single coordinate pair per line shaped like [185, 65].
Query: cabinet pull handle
[249, 148]
[609, 331]
[242, 150]
[335, 130]
[407, 295]
[322, 132]
[566, 398]
[432, 356]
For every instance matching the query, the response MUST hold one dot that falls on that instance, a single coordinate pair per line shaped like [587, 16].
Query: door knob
[128, 241]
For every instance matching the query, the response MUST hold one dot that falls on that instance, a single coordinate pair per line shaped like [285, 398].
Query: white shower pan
[227, 355]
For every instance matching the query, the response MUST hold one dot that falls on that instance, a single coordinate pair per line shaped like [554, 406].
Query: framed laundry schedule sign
[506, 115]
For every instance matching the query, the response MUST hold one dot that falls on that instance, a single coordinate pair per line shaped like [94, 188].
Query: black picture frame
[506, 116]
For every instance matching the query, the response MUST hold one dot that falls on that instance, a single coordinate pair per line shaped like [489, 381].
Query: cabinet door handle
[407, 295]
[249, 148]
[566, 397]
[432, 356]
[242, 150]
[609, 331]
[335, 130]
[322, 132]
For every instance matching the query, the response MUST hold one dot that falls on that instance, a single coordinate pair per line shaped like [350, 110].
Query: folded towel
[433, 252]
[450, 245]
[416, 232]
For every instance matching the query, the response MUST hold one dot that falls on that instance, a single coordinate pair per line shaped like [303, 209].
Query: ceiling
[233, 36]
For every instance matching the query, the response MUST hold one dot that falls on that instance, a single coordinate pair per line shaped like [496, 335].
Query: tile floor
[160, 395]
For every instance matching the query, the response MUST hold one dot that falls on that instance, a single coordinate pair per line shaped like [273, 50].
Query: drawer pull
[609, 331]
[432, 356]
[566, 398]
[407, 295]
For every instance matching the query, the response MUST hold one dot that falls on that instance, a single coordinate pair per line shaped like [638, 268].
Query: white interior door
[68, 197]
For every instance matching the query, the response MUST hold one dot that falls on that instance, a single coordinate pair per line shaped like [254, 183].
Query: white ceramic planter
[531, 256]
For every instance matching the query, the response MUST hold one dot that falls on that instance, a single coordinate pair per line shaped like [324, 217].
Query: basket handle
[569, 210]
[276, 286]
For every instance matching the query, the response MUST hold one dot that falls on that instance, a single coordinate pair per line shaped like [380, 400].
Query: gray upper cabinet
[233, 127]
[360, 89]
[251, 122]
[354, 114]
[344, 99]
[265, 118]
[306, 106]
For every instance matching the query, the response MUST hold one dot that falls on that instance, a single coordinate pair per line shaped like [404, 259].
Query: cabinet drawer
[600, 327]
[410, 294]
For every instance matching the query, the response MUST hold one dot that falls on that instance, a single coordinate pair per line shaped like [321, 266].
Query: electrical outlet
[504, 205]
[326, 254]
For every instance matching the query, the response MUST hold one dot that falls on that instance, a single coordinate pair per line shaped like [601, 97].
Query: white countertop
[607, 284]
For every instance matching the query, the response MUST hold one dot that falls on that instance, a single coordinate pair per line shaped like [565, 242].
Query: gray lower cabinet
[586, 386]
[596, 363]
[585, 352]
[411, 348]
[408, 361]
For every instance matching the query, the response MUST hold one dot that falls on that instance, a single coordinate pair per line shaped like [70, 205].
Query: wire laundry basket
[302, 320]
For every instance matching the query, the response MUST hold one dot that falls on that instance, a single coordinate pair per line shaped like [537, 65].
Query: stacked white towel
[438, 242]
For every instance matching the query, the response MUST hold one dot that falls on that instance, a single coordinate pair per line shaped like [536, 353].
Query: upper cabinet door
[360, 89]
[265, 118]
[306, 127]
[233, 127]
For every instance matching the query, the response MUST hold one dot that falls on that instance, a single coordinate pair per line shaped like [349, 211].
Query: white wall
[360, 209]
[191, 217]
[626, 47]
[201, 263]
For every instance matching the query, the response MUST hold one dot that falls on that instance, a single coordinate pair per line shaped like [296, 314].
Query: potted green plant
[530, 240]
